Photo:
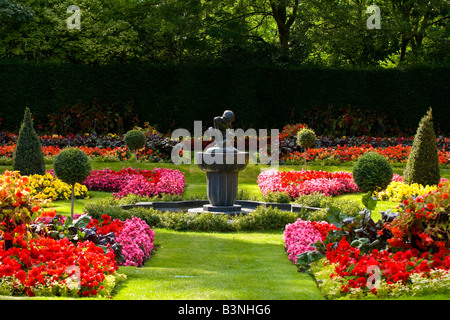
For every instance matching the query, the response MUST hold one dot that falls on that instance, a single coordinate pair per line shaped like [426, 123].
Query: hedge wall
[261, 97]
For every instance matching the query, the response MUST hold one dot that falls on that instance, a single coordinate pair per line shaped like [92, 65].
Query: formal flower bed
[141, 182]
[111, 147]
[407, 253]
[342, 154]
[296, 183]
[134, 235]
[44, 254]
[47, 186]
[300, 235]
[397, 190]
[44, 266]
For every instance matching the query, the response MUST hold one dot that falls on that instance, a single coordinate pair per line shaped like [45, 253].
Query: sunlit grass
[218, 266]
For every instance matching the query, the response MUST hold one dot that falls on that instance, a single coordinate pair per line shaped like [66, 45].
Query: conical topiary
[28, 156]
[423, 161]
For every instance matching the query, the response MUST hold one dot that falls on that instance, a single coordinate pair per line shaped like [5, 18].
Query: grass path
[217, 266]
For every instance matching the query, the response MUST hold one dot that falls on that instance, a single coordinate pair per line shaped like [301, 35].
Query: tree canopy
[293, 32]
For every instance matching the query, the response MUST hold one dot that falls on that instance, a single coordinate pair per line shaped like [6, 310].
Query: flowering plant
[47, 186]
[134, 236]
[46, 266]
[142, 182]
[17, 206]
[137, 241]
[351, 270]
[398, 191]
[302, 234]
[423, 221]
[296, 183]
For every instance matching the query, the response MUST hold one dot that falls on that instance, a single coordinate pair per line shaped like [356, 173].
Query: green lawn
[218, 266]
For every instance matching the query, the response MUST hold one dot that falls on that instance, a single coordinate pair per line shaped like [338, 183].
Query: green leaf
[359, 243]
[368, 201]
[307, 257]
[81, 222]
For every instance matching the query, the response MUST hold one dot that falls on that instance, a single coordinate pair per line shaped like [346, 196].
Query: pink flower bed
[295, 183]
[142, 182]
[300, 235]
[137, 240]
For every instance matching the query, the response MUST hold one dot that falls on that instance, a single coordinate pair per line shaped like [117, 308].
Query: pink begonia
[335, 183]
[298, 237]
[126, 181]
[137, 240]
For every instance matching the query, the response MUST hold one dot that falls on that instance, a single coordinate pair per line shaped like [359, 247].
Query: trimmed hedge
[259, 219]
[175, 96]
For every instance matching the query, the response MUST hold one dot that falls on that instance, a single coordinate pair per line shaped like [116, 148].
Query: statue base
[222, 209]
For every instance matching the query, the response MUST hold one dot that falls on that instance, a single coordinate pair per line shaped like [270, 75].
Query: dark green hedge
[261, 97]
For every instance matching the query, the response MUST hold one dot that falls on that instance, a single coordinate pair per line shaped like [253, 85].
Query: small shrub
[264, 219]
[317, 200]
[28, 157]
[372, 172]
[276, 197]
[422, 166]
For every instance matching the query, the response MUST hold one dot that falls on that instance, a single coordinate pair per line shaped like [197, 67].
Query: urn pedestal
[222, 167]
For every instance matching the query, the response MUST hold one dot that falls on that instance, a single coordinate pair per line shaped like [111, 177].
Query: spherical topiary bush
[371, 172]
[306, 138]
[135, 140]
[72, 166]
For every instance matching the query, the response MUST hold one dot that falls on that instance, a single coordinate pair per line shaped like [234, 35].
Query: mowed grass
[217, 266]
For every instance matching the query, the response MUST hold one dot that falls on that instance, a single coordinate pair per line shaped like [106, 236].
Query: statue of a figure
[222, 124]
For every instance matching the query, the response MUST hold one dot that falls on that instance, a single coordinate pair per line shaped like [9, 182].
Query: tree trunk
[284, 24]
[135, 155]
[71, 206]
[306, 156]
[283, 36]
[404, 44]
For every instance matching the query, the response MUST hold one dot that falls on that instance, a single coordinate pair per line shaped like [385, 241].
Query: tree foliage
[246, 31]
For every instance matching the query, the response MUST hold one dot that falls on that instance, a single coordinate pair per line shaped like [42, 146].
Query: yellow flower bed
[398, 191]
[49, 187]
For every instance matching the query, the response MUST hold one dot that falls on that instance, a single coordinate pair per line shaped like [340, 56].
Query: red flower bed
[414, 257]
[395, 267]
[44, 262]
[398, 153]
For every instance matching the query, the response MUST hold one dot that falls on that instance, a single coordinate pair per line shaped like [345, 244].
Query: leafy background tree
[286, 32]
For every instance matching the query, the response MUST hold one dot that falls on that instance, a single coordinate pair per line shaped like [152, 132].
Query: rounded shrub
[422, 166]
[372, 172]
[306, 138]
[135, 139]
[72, 166]
[28, 156]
